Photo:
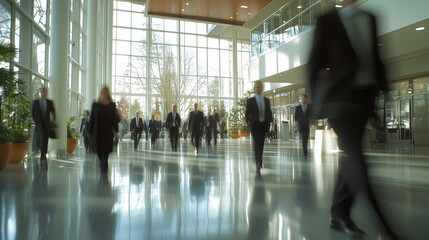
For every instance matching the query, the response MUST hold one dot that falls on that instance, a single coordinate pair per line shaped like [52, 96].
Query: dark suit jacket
[196, 121]
[333, 66]
[103, 124]
[252, 113]
[84, 125]
[137, 129]
[42, 120]
[153, 127]
[301, 118]
[169, 122]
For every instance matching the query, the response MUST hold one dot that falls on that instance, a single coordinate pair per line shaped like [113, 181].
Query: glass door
[398, 124]
[421, 119]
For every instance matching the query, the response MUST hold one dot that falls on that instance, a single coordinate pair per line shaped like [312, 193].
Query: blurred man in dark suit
[302, 123]
[195, 126]
[43, 113]
[345, 75]
[258, 117]
[136, 128]
[215, 123]
[84, 125]
[153, 129]
[173, 124]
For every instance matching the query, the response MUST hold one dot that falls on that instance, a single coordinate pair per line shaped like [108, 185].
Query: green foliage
[5, 134]
[72, 132]
[234, 119]
[14, 102]
[242, 124]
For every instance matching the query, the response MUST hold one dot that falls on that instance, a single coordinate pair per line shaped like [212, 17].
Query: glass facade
[287, 23]
[159, 62]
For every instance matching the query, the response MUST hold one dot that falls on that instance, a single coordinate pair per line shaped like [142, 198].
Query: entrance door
[398, 124]
[421, 119]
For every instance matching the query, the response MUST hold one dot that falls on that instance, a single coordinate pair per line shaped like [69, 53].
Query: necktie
[261, 108]
[43, 103]
[137, 122]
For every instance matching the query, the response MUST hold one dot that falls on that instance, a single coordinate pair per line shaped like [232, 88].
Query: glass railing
[287, 23]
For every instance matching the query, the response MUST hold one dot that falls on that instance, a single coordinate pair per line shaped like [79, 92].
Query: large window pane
[202, 61]
[122, 19]
[213, 59]
[40, 13]
[5, 20]
[171, 25]
[138, 20]
[39, 53]
[138, 35]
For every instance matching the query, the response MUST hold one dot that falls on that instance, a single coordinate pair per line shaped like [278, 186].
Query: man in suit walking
[195, 126]
[258, 117]
[302, 123]
[345, 74]
[173, 124]
[43, 113]
[136, 128]
[215, 123]
[84, 125]
[153, 129]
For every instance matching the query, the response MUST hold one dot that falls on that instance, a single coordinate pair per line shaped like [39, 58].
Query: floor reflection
[159, 194]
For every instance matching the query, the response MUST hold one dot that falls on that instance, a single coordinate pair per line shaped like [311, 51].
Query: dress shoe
[346, 225]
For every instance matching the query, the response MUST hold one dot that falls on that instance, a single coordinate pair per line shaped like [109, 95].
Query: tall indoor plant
[14, 105]
[72, 135]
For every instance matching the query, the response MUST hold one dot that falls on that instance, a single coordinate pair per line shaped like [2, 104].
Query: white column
[109, 43]
[148, 73]
[58, 70]
[91, 72]
[235, 66]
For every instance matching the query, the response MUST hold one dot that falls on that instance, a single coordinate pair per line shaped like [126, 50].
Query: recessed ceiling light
[249, 13]
[236, 13]
[183, 9]
[338, 6]
[284, 21]
[299, 7]
[187, 4]
[420, 28]
[231, 17]
[244, 6]
[380, 44]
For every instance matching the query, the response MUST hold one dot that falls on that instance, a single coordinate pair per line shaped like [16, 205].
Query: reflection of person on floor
[258, 211]
[345, 74]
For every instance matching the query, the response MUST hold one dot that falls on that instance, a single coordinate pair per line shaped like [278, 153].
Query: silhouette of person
[345, 74]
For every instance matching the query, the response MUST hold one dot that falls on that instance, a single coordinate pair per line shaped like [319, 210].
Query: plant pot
[19, 150]
[244, 133]
[234, 134]
[5, 151]
[71, 144]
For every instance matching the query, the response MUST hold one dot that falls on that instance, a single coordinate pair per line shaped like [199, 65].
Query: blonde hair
[105, 96]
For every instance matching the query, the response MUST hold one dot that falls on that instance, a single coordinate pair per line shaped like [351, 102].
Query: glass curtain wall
[294, 18]
[26, 24]
[159, 62]
[77, 57]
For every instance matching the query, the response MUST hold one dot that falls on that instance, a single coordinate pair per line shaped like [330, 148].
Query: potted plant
[72, 135]
[243, 129]
[5, 146]
[234, 122]
[14, 106]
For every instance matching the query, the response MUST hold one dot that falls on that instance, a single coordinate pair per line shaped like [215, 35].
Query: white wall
[391, 14]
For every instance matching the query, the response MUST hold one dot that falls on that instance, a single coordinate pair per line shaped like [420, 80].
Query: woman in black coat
[103, 127]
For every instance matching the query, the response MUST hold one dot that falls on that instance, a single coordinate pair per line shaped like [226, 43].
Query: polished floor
[159, 194]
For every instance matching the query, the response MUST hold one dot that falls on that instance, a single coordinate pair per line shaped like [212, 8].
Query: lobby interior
[225, 45]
